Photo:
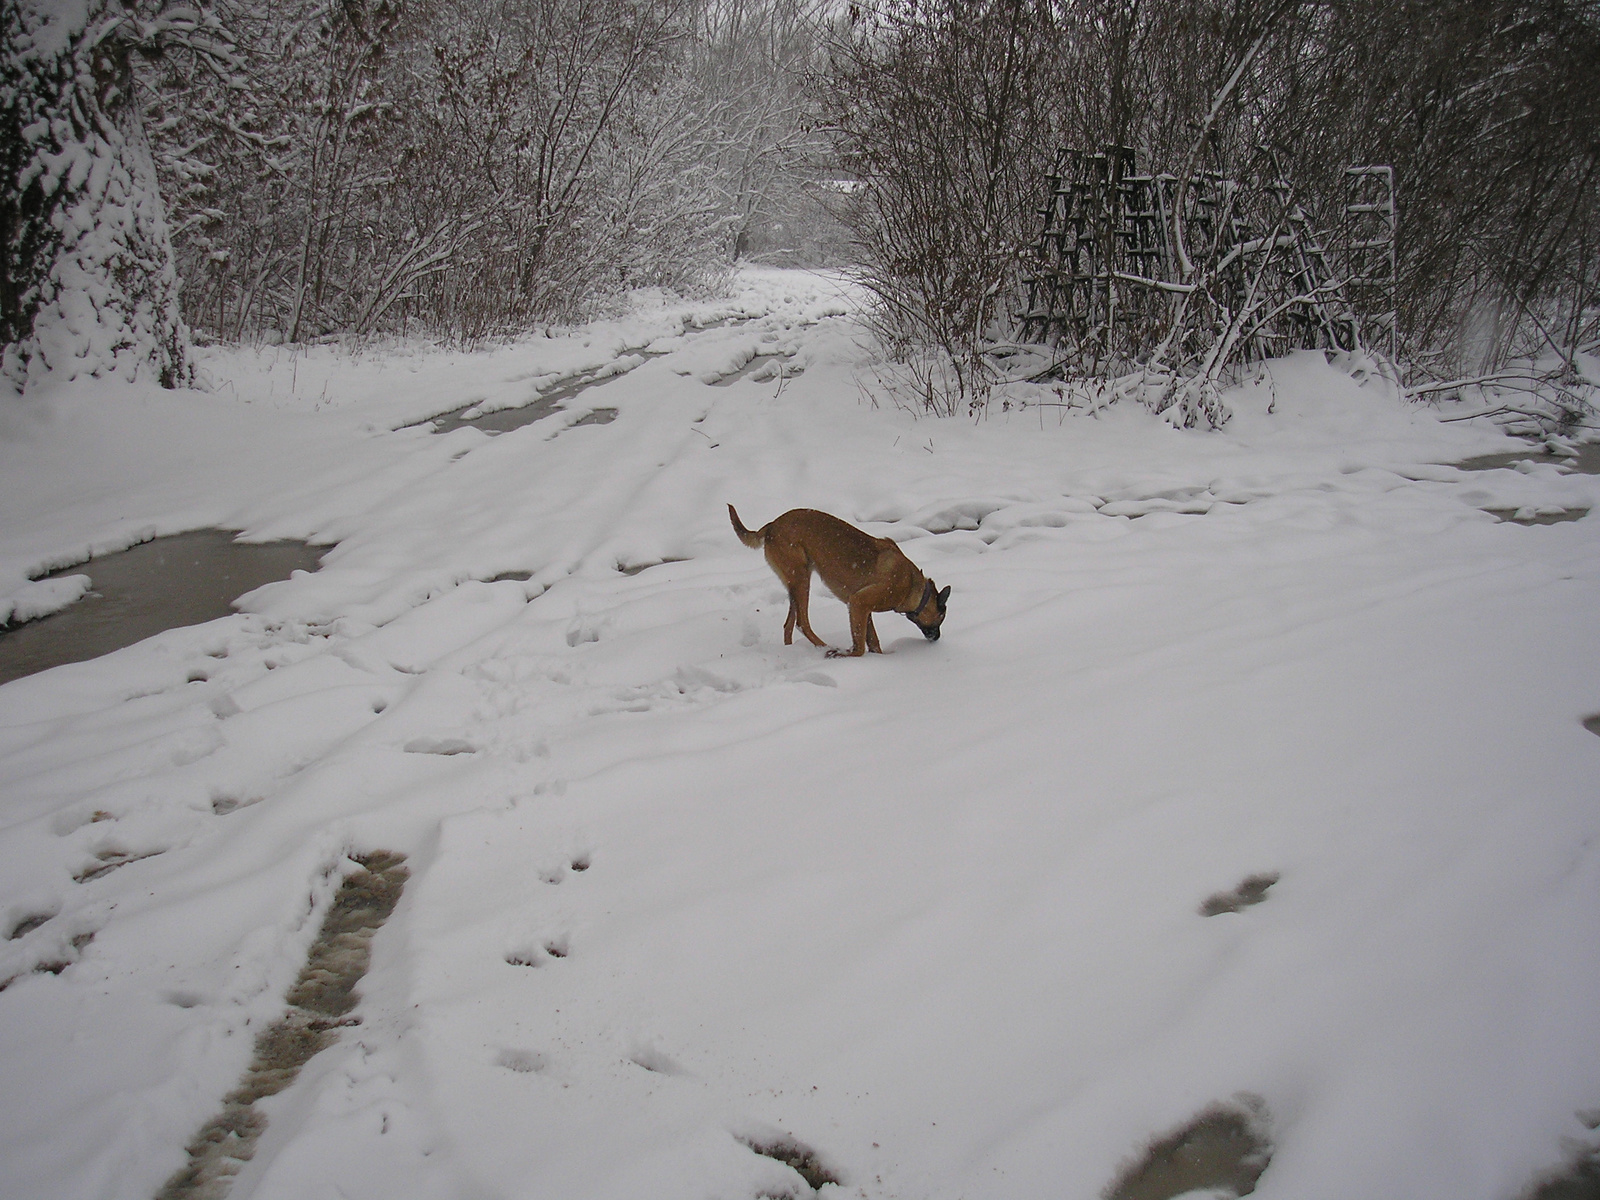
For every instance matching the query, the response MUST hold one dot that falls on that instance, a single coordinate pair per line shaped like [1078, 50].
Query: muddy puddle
[1555, 518]
[1583, 461]
[503, 420]
[184, 579]
[319, 1005]
[1221, 1152]
[1251, 891]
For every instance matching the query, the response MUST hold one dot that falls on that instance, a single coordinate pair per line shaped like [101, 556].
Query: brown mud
[319, 1005]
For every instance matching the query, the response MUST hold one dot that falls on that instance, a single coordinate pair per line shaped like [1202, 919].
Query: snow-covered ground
[676, 887]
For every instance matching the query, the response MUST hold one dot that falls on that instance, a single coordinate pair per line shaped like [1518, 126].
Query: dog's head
[929, 613]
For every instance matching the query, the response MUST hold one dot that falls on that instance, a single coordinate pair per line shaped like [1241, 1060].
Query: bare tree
[943, 112]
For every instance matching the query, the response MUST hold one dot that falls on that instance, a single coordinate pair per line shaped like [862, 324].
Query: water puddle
[1555, 518]
[184, 579]
[1252, 890]
[503, 420]
[319, 1005]
[1585, 460]
[1222, 1152]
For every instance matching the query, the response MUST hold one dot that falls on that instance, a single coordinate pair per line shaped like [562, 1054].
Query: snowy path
[677, 888]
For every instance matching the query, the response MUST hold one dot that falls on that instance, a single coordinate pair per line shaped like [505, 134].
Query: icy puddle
[136, 593]
[503, 420]
[1583, 461]
[319, 1005]
[1555, 518]
[1252, 891]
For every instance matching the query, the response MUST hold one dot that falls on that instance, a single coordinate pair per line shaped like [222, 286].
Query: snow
[677, 888]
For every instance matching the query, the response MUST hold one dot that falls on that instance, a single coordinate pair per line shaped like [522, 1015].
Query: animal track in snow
[536, 954]
[524, 1062]
[794, 1154]
[656, 1061]
[29, 923]
[635, 568]
[440, 745]
[56, 963]
[109, 859]
[223, 803]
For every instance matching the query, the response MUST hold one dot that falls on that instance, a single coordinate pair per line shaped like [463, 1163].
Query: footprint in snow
[110, 858]
[537, 954]
[789, 1150]
[29, 923]
[523, 1062]
[223, 803]
[656, 1061]
[53, 963]
[439, 745]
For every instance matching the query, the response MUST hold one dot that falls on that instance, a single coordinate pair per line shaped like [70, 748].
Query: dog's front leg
[863, 634]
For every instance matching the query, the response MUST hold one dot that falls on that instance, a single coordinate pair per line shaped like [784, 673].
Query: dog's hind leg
[800, 611]
[793, 570]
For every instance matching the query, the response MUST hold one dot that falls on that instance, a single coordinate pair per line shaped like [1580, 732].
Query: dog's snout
[931, 634]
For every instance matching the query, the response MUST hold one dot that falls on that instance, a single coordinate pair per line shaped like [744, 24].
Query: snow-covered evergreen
[91, 288]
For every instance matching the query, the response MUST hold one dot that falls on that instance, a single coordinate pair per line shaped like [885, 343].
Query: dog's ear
[944, 596]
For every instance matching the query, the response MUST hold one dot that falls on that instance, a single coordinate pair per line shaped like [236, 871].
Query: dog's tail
[751, 538]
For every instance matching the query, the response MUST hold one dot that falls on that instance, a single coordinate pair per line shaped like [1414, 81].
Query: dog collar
[927, 590]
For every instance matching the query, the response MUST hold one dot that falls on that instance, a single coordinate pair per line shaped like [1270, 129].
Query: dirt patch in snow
[1251, 890]
[794, 1154]
[1223, 1150]
[319, 1004]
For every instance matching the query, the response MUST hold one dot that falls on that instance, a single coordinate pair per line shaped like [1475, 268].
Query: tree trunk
[88, 285]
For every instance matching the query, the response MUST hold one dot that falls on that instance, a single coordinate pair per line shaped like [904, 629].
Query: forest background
[473, 169]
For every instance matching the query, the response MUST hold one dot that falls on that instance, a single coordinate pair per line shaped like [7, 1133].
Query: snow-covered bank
[677, 887]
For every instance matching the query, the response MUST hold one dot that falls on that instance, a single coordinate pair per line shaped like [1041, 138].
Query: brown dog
[869, 574]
